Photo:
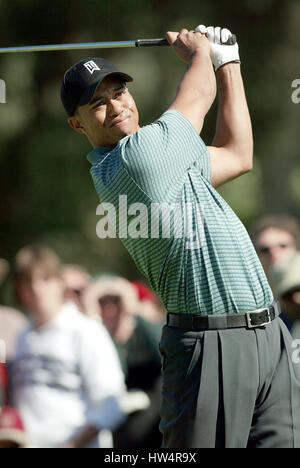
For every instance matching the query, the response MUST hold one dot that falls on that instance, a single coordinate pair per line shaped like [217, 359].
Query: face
[43, 297]
[109, 116]
[110, 310]
[75, 283]
[274, 244]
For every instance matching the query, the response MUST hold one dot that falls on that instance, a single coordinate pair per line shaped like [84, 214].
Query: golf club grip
[151, 42]
[163, 42]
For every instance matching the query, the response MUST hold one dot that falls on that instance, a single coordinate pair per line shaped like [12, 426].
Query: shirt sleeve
[162, 153]
[103, 379]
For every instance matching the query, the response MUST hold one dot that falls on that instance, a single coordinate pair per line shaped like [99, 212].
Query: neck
[42, 318]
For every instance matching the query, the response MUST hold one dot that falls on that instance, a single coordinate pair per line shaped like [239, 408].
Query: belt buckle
[259, 311]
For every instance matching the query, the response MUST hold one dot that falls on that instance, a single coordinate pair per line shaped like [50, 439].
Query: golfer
[228, 375]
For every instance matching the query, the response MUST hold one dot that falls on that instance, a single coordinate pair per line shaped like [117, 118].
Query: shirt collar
[98, 154]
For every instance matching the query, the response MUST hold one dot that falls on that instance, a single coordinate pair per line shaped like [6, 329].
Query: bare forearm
[197, 89]
[234, 129]
[198, 84]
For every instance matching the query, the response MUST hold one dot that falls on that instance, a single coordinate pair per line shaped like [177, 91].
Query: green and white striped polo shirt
[204, 263]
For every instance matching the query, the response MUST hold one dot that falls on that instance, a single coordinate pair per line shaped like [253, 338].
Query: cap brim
[89, 92]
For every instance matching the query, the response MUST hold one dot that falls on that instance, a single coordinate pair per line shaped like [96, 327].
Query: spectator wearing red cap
[12, 432]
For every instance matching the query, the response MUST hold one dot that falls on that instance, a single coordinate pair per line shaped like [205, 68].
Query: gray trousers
[234, 388]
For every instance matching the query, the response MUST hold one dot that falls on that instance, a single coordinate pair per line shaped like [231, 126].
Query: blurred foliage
[46, 189]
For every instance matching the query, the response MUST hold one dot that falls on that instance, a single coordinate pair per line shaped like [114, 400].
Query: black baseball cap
[81, 81]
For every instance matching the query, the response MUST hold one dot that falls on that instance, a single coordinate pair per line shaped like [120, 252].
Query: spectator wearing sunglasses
[275, 237]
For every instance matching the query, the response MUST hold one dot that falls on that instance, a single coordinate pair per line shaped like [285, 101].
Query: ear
[75, 123]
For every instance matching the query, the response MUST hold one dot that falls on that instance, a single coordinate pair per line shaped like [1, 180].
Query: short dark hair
[33, 258]
[283, 222]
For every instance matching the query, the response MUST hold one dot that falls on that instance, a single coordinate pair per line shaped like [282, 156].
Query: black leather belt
[254, 319]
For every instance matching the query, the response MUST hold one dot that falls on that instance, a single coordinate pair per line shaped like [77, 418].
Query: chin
[122, 133]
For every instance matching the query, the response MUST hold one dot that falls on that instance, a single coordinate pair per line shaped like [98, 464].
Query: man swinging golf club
[228, 376]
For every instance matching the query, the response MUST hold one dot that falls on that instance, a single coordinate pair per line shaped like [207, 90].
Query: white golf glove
[220, 52]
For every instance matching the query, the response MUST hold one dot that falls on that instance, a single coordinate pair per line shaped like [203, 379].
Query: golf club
[96, 45]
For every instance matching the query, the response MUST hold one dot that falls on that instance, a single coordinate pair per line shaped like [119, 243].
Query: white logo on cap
[91, 66]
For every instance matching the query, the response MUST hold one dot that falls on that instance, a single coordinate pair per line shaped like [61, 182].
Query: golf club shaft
[85, 45]
[93, 45]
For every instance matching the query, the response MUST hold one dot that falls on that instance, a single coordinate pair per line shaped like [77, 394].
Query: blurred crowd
[82, 365]
[277, 242]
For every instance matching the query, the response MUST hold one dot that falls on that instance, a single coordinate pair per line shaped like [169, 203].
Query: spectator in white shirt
[67, 380]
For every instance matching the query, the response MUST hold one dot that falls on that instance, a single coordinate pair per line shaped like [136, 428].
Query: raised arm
[197, 89]
[231, 152]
